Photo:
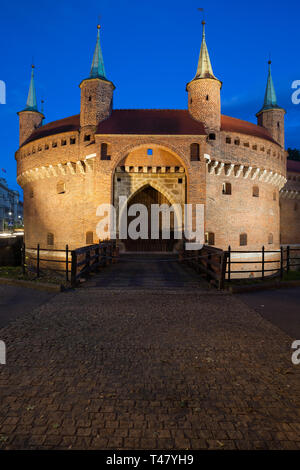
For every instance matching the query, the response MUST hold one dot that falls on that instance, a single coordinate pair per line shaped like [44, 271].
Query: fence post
[23, 258]
[38, 261]
[263, 263]
[88, 262]
[73, 268]
[67, 263]
[229, 264]
[281, 263]
[223, 270]
[288, 265]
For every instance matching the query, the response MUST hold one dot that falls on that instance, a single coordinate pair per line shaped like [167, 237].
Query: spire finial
[204, 69]
[97, 69]
[270, 100]
[31, 104]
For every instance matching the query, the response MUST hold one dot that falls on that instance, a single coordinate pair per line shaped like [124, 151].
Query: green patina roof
[31, 104]
[270, 101]
[204, 69]
[97, 69]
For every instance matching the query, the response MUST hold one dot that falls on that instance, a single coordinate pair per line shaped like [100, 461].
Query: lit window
[149, 151]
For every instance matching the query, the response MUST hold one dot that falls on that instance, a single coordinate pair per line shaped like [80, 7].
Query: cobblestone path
[100, 368]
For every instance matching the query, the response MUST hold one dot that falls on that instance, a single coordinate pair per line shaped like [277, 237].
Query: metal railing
[284, 262]
[77, 263]
[38, 259]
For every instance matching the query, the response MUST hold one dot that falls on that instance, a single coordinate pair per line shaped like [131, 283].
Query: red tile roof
[230, 124]
[70, 123]
[293, 165]
[151, 122]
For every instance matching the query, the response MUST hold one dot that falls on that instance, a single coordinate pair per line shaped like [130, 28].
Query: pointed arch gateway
[150, 174]
[150, 194]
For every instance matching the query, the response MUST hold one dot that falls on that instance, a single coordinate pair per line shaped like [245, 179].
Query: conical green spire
[97, 69]
[270, 95]
[31, 104]
[204, 69]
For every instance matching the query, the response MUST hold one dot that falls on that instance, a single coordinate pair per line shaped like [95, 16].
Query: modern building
[11, 208]
[236, 169]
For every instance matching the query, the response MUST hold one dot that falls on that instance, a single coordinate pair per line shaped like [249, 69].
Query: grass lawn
[15, 272]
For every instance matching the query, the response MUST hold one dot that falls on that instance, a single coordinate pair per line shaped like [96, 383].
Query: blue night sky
[150, 52]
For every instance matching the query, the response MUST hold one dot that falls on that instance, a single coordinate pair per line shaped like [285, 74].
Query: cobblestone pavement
[147, 369]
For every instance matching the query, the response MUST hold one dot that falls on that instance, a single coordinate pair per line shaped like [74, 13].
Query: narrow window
[237, 142]
[60, 188]
[87, 137]
[228, 140]
[90, 98]
[195, 152]
[243, 239]
[212, 136]
[104, 152]
[274, 196]
[46, 147]
[254, 147]
[179, 180]
[149, 152]
[72, 140]
[226, 189]
[54, 144]
[255, 191]
[50, 239]
[89, 238]
[210, 238]
[270, 239]
[207, 98]
[63, 142]
[246, 144]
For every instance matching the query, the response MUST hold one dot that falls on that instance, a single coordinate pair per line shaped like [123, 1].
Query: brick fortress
[237, 169]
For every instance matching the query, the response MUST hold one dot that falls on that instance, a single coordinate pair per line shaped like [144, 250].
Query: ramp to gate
[147, 271]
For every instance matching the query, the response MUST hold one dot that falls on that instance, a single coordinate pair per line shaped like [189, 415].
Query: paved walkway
[147, 369]
[15, 301]
[281, 307]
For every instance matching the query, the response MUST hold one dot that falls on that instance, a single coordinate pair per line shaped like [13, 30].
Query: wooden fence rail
[208, 261]
[90, 258]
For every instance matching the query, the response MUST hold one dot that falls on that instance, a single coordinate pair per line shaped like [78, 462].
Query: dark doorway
[148, 196]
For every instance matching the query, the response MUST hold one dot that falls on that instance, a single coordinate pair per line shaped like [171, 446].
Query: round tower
[96, 92]
[204, 100]
[29, 118]
[271, 116]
